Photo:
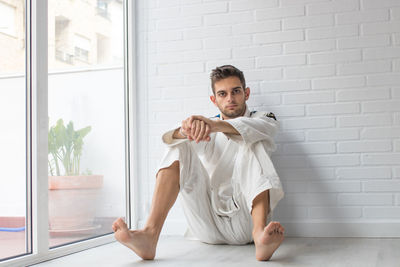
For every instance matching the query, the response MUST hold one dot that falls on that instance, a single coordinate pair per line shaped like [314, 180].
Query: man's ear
[212, 98]
[247, 92]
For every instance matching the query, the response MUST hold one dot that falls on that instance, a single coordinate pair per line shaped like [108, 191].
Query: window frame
[36, 42]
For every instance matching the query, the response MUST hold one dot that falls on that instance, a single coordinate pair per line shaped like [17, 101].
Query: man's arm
[193, 129]
[201, 127]
[257, 128]
[225, 127]
[249, 130]
[198, 128]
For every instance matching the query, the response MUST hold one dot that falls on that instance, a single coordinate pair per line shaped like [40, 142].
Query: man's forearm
[214, 126]
[225, 127]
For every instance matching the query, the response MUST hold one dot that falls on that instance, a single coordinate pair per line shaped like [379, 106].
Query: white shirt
[238, 164]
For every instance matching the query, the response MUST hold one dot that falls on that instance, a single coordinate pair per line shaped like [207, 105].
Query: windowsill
[13, 243]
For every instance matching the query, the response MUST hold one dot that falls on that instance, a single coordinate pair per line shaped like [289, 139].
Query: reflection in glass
[86, 119]
[13, 207]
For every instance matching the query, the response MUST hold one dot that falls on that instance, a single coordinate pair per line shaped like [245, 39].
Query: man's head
[229, 91]
[226, 71]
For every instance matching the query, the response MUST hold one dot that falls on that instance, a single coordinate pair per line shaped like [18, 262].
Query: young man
[222, 169]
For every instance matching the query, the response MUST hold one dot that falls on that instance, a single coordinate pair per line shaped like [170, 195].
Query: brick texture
[328, 69]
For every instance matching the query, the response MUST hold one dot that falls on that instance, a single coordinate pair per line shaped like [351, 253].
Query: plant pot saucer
[78, 231]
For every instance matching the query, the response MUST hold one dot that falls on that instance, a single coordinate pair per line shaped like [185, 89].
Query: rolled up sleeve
[252, 130]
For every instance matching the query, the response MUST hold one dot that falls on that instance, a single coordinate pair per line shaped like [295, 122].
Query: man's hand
[215, 125]
[198, 128]
[201, 128]
[185, 129]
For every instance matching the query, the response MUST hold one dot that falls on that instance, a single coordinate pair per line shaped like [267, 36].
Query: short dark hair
[226, 71]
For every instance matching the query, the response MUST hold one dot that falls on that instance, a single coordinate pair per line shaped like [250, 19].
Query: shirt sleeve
[169, 140]
[254, 129]
[201, 147]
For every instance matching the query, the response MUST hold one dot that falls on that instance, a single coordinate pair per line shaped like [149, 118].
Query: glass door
[86, 103]
[63, 62]
[14, 235]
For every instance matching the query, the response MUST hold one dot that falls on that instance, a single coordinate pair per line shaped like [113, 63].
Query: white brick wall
[328, 69]
[331, 32]
[364, 173]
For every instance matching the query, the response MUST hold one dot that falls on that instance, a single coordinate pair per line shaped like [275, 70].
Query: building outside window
[81, 48]
[7, 19]
[102, 8]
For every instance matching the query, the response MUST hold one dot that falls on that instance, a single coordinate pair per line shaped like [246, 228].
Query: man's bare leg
[266, 238]
[144, 242]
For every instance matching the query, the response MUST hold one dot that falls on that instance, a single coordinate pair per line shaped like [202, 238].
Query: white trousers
[204, 223]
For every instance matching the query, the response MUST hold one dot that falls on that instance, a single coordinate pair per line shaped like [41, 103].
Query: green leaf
[66, 145]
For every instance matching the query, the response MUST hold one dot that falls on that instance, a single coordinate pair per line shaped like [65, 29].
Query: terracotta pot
[73, 201]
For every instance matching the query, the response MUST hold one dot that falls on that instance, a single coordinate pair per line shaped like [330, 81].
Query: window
[66, 173]
[82, 47]
[102, 8]
[7, 18]
[87, 127]
[103, 49]
[61, 38]
[13, 194]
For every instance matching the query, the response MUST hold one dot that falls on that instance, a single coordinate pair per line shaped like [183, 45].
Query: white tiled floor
[177, 251]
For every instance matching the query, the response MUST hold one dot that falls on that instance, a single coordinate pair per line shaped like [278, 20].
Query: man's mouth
[231, 106]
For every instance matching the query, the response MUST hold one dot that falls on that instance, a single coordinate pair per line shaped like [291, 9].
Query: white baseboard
[342, 229]
[314, 229]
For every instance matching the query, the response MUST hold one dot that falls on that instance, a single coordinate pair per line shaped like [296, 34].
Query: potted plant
[72, 194]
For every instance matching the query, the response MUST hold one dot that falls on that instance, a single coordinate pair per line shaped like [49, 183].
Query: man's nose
[230, 97]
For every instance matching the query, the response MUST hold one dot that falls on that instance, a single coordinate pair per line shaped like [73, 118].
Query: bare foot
[142, 242]
[268, 240]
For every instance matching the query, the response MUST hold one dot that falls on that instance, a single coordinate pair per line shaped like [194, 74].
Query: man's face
[230, 97]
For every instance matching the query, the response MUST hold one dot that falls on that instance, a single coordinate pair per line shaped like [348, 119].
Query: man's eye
[221, 94]
[236, 91]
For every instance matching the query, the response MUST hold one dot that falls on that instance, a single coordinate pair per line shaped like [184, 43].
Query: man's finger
[206, 136]
[197, 117]
[192, 128]
[191, 119]
[198, 128]
[201, 132]
[184, 126]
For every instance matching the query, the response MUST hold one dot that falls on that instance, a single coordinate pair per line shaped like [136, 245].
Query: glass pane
[86, 118]
[13, 129]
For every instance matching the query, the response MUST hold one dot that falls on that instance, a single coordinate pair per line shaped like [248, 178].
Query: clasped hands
[198, 128]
